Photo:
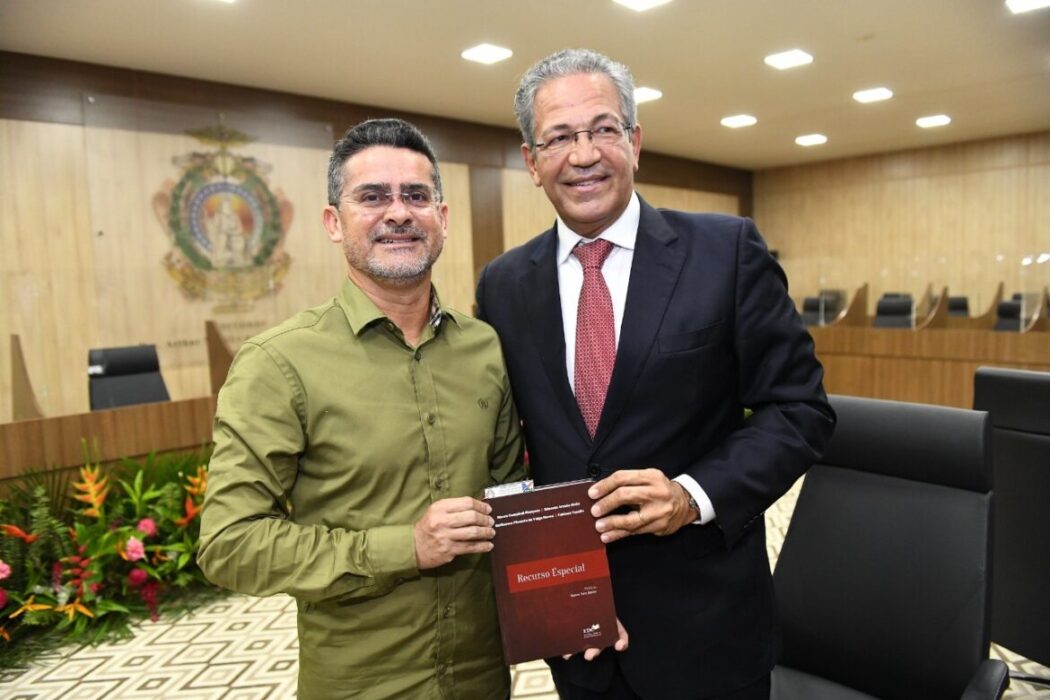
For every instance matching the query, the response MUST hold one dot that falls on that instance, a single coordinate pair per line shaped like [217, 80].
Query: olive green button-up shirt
[332, 437]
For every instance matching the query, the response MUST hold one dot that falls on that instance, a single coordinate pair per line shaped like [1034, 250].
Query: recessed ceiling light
[228, 2]
[811, 140]
[487, 53]
[933, 120]
[1019, 6]
[646, 94]
[789, 59]
[738, 120]
[641, 5]
[873, 95]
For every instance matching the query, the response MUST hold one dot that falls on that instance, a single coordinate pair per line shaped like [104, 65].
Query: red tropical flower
[192, 509]
[15, 531]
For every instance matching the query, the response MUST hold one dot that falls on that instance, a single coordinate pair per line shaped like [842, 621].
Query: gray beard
[404, 271]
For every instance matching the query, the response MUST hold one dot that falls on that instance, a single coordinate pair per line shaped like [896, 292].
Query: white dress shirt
[617, 273]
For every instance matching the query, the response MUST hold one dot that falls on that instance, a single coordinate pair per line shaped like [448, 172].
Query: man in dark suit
[634, 365]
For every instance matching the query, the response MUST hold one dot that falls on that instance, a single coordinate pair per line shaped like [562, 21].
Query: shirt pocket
[691, 340]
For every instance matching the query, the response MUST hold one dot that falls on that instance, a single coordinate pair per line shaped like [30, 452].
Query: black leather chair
[894, 311]
[1019, 404]
[958, 306]
[1008, 315]
[882, 584]
[125, 376]
[821, 309]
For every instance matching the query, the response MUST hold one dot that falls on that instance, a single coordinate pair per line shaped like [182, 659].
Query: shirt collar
[623, 232]
[361, 312]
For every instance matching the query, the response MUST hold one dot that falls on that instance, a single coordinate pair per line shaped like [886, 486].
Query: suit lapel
[538, 288]
[654, 273]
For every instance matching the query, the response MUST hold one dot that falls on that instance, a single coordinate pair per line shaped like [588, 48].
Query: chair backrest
[1008, 315]
[1019, 404]
[894, 312]
[827, 303]
[811, 311]
[958, 306]
[124, 376]
[882, 583]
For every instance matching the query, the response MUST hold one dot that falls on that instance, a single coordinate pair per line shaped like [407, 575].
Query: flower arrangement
[83, 556]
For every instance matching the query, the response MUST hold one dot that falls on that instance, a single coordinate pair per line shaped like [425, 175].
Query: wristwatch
[693, 504]
[692, 501]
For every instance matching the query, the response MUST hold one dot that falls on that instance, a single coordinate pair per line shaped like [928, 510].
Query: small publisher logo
[594, 630]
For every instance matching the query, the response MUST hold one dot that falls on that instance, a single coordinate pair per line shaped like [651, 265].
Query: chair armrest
[989, 682]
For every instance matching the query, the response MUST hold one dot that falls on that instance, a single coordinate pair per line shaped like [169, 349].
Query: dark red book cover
[550, 573]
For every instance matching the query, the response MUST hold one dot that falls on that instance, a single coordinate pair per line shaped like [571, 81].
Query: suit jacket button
[593, 470]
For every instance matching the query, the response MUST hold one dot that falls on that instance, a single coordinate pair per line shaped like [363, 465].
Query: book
[550, 572]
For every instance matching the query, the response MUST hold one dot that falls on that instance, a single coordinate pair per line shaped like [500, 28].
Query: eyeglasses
[379, 199]
[606, 134]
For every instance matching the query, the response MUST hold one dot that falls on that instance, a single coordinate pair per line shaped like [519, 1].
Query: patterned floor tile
[533, 681]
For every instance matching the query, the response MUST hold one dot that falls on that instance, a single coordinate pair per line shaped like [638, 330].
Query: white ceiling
[971, 59]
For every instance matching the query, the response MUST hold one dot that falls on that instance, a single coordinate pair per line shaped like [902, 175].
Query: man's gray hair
[565, 63]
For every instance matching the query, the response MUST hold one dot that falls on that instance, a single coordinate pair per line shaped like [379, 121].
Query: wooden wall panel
[486, 214]
[454, 270]
[46, 278]
[1038, 201]
[131, 431]
[928, 366]
[962, 215]
[526, 209]
[688, 200]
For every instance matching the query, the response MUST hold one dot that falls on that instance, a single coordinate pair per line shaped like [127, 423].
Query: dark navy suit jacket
[708, 329]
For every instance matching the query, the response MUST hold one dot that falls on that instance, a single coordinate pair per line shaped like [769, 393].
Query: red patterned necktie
[595, 333]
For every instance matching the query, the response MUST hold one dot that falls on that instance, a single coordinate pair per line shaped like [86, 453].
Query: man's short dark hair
[377, 132]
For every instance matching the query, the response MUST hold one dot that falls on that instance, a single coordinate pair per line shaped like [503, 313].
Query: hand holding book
[657, 505]
[591, 653]
[451, 527]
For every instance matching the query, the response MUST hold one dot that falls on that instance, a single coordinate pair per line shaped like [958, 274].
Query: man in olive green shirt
[352, 443]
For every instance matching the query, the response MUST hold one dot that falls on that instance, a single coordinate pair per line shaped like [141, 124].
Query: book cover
[550, 572]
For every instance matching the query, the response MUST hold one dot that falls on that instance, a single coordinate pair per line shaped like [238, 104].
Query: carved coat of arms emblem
[226, 226]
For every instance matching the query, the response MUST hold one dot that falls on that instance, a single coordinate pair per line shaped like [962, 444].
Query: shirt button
[442, 669]
[431, 419]
[448, 612]
[418, 355]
